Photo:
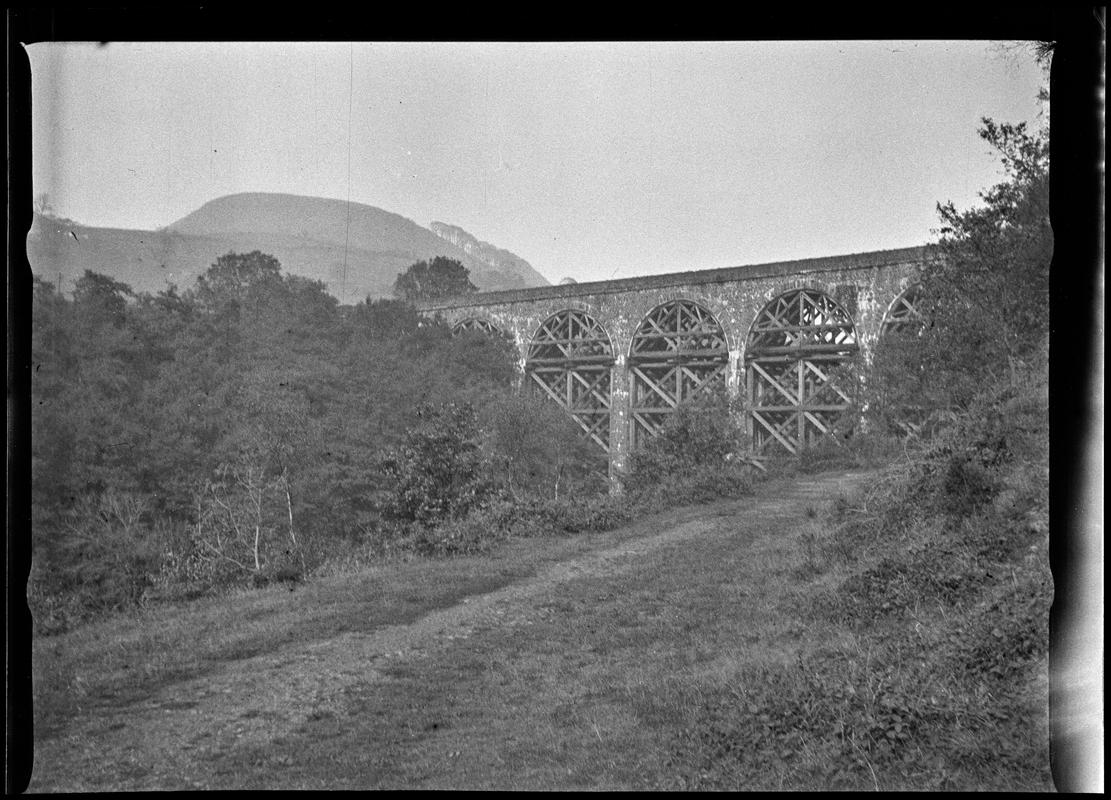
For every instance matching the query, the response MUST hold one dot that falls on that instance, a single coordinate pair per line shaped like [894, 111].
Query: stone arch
[570, 359]
[678, 352]
[793, 347]
[904, 314]
[475, 324]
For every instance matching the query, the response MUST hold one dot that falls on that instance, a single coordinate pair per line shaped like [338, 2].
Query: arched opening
[570, 359]
[678, 352]
[796, 346]
[474, 324]
[904, 315]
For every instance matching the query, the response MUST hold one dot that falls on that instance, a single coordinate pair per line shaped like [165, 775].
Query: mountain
[508, 265]
[308, 235]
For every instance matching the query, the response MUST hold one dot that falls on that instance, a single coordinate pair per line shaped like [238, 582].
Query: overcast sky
[588, 160]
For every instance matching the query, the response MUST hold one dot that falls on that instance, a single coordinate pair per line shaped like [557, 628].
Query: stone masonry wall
[865, 285]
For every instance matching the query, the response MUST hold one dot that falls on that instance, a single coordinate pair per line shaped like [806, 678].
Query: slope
[308, 235]
[669, 653]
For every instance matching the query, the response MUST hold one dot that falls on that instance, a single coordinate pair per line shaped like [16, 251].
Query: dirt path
[169, 740]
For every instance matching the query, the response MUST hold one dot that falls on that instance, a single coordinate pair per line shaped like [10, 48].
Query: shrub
[702, 483]
[101, 556]
[860, 450]
[537, 448]
[440, 470]
[697, 438]
[243, 527]
[582, 514]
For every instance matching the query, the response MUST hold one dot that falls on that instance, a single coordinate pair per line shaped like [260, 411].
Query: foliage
[938, 587]
[439, 471]
[442, 277]
[237, 279]
[102, 297]
[702, 483]
[244, 525]
[538, 449]
[700, 434]
[866, 449]
[984, 300]
[267, 430]
[582, 513]
[249, 373]
[102, 555]
[385, 320]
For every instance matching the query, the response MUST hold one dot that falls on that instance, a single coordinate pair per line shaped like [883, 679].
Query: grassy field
[764, 642]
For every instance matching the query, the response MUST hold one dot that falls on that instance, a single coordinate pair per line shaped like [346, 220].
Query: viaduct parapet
[620, 355]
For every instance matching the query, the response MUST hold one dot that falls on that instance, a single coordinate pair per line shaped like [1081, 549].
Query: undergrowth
[940, 601]
[697, 457]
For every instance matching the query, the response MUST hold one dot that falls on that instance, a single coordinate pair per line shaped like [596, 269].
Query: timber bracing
[570, 360]
[796, 352]
[678, 353]
[621, 355]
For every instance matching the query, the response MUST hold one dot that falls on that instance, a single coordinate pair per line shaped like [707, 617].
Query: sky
[588, 160]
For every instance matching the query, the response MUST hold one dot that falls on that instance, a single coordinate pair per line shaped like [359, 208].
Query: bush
[476, 532]
[702, 483]
[697, 438]
[968, 484]
[858, 451]
[537, 448]
[440, 470]
[582, 514]
[984, 302]
[101, 556]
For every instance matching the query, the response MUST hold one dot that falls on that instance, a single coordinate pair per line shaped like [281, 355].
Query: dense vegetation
[984, 301]
[925, 601]
[233, 432]
[250, 429]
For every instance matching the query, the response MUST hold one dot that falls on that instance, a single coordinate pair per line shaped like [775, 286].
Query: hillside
[306, 234]
[495, 258]
[697, 648]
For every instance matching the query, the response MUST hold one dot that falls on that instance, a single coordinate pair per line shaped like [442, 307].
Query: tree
[100, 296]
[537, 447]
[237, 278]
[443, 277]
[984, 300]
[381, 320]
[439, 471]
[56, 364]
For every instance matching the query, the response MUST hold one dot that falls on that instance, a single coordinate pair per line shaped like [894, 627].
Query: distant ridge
[306, 234]
[497, 259]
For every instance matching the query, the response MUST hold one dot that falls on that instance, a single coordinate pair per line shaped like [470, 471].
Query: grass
[147, 649]
[585, 696]
[795, 639]
[936, 577]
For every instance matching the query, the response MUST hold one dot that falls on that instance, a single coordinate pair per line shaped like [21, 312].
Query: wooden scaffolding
[678, 352]
[797, 344]
[569, 360]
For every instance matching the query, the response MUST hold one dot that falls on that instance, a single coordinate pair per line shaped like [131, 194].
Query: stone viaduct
[620, 355]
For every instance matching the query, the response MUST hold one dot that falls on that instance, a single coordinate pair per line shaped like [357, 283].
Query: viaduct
[621, 355]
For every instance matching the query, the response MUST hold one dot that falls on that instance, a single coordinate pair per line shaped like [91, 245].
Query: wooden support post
[802, 394]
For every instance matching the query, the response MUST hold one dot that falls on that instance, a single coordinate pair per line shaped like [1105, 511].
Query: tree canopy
[248, 402]
[984, 301]
[442, 277]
